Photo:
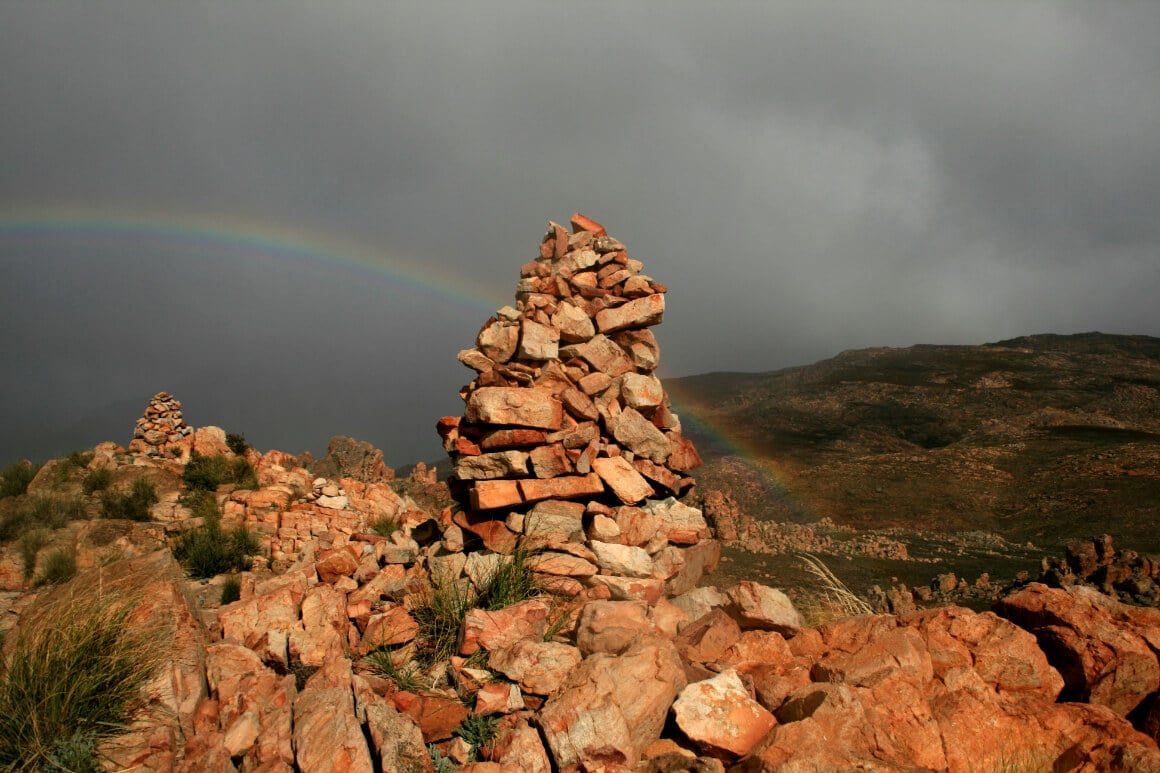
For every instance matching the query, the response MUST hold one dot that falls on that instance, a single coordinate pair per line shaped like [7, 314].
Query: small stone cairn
[568, 439]
[160, 428]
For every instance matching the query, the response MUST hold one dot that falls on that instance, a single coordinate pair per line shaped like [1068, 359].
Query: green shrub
[231, 589]
[206, 473]
[208, 550]
[133, 505]
[97, 480]
[54, 511]
[14, 479]
[59, 566]
[31, 542]
[73, 678]
[46, 511]
[80, 459]
[236, 442]
[478, 732]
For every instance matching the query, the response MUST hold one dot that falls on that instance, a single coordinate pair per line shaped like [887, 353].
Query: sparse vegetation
[31, 542]
[72, 678]
[478, 732]
[14, 479]
[231, 589]
[832, 599]
[132, 505]
[59, 566]
[384, 525]
[97, 480]
[442, 764]
[442, 607]
[206, 473]
[236, 442]
[46, 511]
[406, 677]
[208, 550]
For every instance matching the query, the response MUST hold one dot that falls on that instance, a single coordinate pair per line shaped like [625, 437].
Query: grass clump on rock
[72, 678]
[14, 478]
[132, 505]
[97, 480]
[209, 550]
[206, 473]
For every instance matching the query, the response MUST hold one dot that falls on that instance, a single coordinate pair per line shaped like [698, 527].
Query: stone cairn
[161, 427]
[568, 439]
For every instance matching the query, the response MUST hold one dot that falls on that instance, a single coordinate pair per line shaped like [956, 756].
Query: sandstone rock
[719, 715]
[707, 639]
[644, 393]
[498, 340]
[498, 464]
[437, 716]
[538, 342]
[612, 707]
[611, 626]
[1101, 659]
[323, 632]
[498, 698]
[633, 431]
[519, 748]
[561, 564]
[328, 738]
[622, 560]
[641, 312]
[539, 667]
[603, 354]
[628, 484]
[574, 324]
[511, 405]
[568, 487]
[338, 563]
[499, 629]
[397, 741]
[698, 602]
[550, 461]
[759, 606]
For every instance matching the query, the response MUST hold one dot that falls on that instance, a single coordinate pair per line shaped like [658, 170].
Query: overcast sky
[293, 214]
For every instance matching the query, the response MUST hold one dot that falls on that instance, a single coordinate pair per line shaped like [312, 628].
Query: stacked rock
[161, 427]
[566, 407]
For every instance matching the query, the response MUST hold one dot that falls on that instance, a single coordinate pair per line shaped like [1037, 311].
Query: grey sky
[806, 177]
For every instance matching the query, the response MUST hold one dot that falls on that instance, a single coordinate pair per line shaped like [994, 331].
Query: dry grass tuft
[832, 600]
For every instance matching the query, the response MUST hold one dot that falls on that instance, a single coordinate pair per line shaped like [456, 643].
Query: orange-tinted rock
[628, 484]
[335, 564]
[539, 667]
[498, 698]
[568, 487]
[582, 223]
[611, 626]
[612, 707]
[518, 748]
[492, 494]
[437, 716]
[389, 626]
[719, 715]
[603, 354]
[495, 630]
[1102, 659]
[642, 312]
[513, 405]
[707, 639]
[396, 740]
[759, 606]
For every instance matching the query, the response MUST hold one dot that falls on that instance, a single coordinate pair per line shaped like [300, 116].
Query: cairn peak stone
[565, 403]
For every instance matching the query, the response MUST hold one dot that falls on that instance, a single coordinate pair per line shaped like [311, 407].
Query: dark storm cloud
[806, 177]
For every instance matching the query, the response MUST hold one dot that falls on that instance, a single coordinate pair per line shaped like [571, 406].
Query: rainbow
[222, 235]
[780, 477]
[232, 236]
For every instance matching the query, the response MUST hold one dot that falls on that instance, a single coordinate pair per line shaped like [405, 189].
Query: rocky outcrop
[350, 458]
[1126, 575]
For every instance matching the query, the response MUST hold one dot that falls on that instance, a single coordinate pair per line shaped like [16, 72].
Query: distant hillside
[1040, 438]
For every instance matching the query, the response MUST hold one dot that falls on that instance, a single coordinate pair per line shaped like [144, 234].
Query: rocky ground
[935, 460]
